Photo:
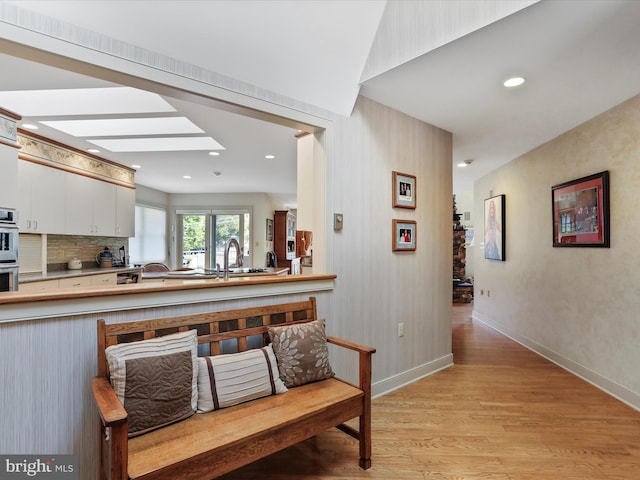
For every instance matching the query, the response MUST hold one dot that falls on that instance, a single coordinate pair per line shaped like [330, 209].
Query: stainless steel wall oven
[8, 250]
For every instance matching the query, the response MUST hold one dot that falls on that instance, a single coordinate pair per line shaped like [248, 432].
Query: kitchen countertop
[204, 274]
[57, 275]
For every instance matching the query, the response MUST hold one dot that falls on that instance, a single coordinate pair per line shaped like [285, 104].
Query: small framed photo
[404, 235]
[269, 230]
[581, 212]
[404, 190]
[494, 234]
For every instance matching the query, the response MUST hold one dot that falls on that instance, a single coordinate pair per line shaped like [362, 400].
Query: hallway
[500, 413]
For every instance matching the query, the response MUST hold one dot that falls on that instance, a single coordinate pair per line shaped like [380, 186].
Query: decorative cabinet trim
[47, 152]
[8, 128]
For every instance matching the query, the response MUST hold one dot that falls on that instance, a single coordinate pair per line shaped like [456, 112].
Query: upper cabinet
[125, 212]
[41, 199]
[284, 237]
[9, 164]
[58, 202]
[64, 191]
[91, 207]
[9, 159]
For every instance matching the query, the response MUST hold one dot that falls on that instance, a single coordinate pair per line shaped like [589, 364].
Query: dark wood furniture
[208, 445]
[284, 237]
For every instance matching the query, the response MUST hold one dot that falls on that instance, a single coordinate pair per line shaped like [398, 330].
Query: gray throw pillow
[155, 380]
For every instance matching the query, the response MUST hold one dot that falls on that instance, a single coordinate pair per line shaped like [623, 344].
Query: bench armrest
[365, 354]
[111, 410]
[351, 345]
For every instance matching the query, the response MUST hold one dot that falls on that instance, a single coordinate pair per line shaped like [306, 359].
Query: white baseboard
[395, 382]
[617, 391]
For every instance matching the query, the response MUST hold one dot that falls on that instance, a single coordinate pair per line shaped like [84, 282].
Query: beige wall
[578, 306]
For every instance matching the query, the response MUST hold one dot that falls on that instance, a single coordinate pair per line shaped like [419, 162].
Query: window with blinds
[150, 243]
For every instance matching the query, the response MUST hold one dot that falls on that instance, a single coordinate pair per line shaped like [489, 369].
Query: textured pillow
[230, 379]
[302, 353]
[156, 380]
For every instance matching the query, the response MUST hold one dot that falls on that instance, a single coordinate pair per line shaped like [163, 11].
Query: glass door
[227, 226]
[204, 236]
[194, 241]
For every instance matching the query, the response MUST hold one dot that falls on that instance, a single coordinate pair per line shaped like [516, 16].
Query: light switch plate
[337, 221]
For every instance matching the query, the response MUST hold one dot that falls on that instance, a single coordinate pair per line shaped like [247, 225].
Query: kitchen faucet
[234, 242]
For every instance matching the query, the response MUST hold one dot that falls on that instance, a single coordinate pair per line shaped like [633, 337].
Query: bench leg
[365, 418]
[365, 439]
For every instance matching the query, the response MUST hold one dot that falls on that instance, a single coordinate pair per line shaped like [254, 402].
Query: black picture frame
[580, 212]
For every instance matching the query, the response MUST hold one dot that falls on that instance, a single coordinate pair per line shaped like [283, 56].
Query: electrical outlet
[401, 329]
[481, 292]
[488, 293]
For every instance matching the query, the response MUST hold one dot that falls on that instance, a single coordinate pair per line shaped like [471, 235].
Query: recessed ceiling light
[93, 150]
[187, 177]
[514, 82]
[269, 156]
[462, 165]
[136, 166]
[217, 174]
[29, 126]
[214, 154]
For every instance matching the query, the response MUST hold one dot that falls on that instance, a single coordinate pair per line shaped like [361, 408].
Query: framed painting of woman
[494, 234]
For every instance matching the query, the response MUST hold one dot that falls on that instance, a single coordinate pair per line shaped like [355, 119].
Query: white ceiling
[580, 59]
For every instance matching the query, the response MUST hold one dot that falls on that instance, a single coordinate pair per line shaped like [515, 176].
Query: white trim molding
[400, 380]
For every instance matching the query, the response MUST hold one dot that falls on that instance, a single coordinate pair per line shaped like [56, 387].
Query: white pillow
[230, 379]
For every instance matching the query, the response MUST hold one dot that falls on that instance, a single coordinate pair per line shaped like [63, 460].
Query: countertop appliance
[74, 264]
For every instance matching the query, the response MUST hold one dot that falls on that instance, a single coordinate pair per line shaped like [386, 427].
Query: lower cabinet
[35, 287]
[74, 282]
[102, 279]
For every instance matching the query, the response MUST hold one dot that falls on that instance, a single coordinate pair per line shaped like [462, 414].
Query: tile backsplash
[62, 248]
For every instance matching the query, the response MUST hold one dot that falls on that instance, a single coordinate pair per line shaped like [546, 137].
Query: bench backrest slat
[212, 327]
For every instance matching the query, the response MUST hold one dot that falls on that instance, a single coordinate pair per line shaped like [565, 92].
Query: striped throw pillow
[230, 379]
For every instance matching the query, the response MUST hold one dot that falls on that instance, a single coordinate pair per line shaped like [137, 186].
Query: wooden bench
[208, 445]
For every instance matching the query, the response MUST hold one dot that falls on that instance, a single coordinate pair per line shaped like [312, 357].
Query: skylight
[83, 101]
[125, 126]
[159, 144]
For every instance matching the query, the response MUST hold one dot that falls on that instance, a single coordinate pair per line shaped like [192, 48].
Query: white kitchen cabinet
[41, 198]
[9, 190]
[125, 212]
[91, 207]
[72, 282]
[41, 286]
[104, 279]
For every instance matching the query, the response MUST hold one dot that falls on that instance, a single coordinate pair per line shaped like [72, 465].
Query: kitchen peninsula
[82, 300]
[48, 346]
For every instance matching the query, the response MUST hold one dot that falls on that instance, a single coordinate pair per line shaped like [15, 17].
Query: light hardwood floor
[500, 413]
